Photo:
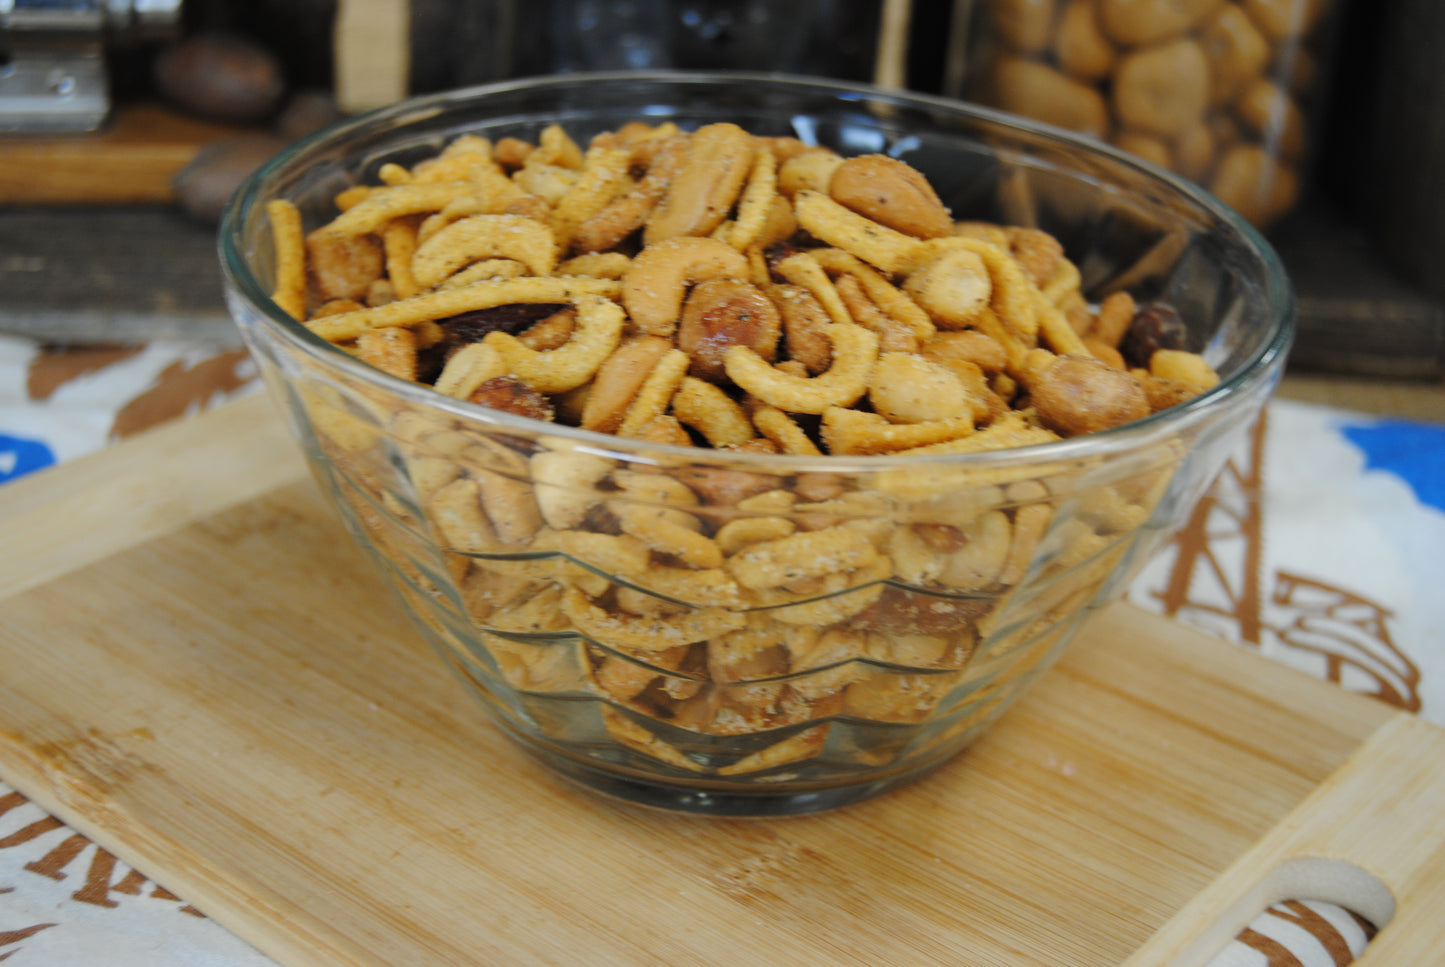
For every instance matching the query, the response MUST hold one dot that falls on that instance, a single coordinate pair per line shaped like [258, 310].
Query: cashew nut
[656, 282]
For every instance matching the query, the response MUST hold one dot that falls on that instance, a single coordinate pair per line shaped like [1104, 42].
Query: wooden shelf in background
[130, 161]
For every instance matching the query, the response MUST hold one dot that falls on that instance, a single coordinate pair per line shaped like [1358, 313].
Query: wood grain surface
[1369, 838]
[131, 161]
[204, 676]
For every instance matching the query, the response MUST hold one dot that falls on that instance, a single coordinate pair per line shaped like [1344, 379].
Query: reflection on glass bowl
[865, 618]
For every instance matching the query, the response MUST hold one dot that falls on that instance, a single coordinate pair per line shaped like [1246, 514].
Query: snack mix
[718, 295]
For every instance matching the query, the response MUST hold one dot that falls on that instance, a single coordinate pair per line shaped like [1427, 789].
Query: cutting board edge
[201, 882]
[68, 516]
[1336, 846]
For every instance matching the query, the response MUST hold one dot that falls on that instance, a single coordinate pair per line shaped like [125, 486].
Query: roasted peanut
[1136, 23]
[804, 319]
[1285, 19]
[1253, 182]
[1080, 45]
[1080, 394]
[1039, 254]
[1146, 146]
[720, 314]
[1269, 111]
[719, 157]
[1038, 91]
[511, 395]
[1025, 25]
[1194, 151]
[1237, 52]
[891, 193]
[1162, 90]
[811, 170]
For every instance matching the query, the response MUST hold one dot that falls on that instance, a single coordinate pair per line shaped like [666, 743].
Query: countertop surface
[113, 323]
[1406, 398]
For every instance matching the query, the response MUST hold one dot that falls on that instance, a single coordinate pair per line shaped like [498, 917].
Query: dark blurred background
[238, 79]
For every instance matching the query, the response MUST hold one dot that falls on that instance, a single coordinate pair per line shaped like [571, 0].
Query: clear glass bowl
[834, 626]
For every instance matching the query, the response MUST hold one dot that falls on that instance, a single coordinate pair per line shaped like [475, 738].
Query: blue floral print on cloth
[19, 456]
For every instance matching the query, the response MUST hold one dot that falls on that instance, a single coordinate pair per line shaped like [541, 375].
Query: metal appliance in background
[52, 58]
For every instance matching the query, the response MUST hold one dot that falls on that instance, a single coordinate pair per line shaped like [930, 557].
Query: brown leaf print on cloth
[9, 938]
[1333, 949]
[98, 883]
[180, 388]
[1335, 945]
[1219, 556]
[54, 366]
[1347, 631]
[1278, 954]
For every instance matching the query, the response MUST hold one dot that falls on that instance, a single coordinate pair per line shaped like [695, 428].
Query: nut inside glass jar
[1225, 92]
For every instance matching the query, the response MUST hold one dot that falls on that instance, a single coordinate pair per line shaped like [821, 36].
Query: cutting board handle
[1370, 838]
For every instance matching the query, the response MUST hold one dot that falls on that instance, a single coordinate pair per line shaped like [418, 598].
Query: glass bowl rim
[1137, 434]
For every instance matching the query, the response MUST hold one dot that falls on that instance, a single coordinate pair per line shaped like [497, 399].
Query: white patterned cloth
[65, 902]
[1319, 546]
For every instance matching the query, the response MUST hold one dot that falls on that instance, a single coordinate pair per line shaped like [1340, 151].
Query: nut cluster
[1212, 89]
[724, 293]
[718, 288]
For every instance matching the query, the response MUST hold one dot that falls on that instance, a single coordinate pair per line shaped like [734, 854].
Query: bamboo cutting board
[201, 673]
